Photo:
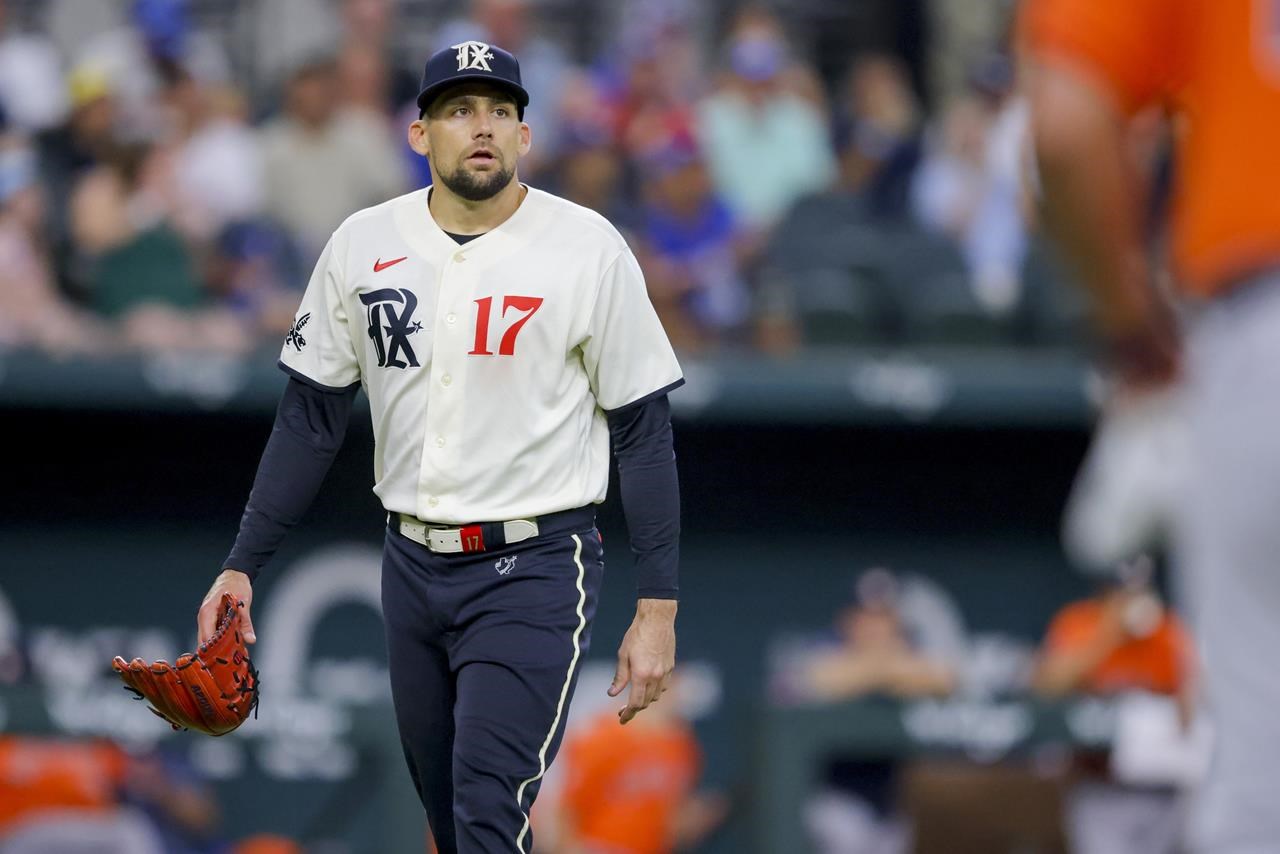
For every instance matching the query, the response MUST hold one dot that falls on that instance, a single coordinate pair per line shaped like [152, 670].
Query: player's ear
[418, 137]
[526, 139]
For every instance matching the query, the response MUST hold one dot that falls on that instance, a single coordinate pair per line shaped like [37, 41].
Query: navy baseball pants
[484, 652]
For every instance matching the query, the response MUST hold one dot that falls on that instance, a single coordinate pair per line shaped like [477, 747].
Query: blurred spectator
[141, 58]
[180, 805]
[369, 69]
[765, 145]
[217, 159]
[543, 67]
[373, 86]
[141, 270]
[878, 135]
[691, 249]
[32, 311]
[649, 82]
[591, 173]
[32, 93]
[960, 33]
[871, 653]
[970, 185]
[255, 272]
[69, 151]
[1122, 640]
[364, 81]
[287, 33]
[633, 789]
[323, 161]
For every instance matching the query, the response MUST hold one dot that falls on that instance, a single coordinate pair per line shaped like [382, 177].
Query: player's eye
[500, 112]
[460, 111]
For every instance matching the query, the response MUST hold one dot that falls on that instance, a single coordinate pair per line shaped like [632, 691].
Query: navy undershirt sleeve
[309, 428]
[644, 449]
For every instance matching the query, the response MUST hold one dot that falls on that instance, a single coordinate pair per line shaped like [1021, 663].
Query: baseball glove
[211, 690]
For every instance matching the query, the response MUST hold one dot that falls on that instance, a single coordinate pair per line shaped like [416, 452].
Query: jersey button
[432, 501]
[459, 258]
[451, 318]
[439, 441]
[446, 380]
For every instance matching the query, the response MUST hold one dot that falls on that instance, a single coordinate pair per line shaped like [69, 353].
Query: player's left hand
[647, 656]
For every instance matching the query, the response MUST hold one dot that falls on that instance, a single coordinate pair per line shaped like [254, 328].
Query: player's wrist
[230, 575]
[647, 608]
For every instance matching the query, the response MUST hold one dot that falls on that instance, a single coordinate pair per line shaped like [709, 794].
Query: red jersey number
[507, 346]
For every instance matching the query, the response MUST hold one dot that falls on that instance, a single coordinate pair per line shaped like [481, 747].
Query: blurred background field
[886, 371]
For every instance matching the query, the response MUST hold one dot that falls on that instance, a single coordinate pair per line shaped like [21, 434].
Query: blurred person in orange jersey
[632, 789]
[1122, 640]
[38, 775]
[70, 796]
[1093, 65]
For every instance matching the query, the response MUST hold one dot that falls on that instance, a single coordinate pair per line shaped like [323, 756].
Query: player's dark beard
[476, 187]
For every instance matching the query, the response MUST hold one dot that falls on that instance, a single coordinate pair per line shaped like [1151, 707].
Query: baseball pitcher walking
[504, 338]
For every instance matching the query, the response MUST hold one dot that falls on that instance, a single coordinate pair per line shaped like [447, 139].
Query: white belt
[461, 539]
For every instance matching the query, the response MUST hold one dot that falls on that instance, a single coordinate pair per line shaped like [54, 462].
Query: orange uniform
[625, 783]
[1156, 663]
[1219, 62]
[36, 775]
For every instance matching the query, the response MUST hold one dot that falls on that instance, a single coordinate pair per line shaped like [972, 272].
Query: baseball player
[1097, 62]
[503, 336]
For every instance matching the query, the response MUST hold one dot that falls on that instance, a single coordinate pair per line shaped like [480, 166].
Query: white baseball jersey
[489, 365]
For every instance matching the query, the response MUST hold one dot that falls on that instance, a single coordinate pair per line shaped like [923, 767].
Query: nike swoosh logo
[380, 265]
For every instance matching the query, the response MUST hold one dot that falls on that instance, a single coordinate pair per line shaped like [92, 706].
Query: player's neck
[457, 215]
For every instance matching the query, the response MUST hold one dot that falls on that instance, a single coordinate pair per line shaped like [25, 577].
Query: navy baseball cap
[471, 61]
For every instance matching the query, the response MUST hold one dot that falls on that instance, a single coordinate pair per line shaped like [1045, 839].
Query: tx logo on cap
[473, 55]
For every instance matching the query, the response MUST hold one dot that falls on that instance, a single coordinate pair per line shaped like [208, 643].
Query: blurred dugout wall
[112, 524]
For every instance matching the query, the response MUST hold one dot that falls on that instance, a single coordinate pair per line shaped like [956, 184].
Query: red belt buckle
[472, 538]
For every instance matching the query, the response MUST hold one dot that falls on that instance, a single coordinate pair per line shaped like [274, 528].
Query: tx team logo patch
[473, 55]
[295, 333]
[390, 313]
[504, 565]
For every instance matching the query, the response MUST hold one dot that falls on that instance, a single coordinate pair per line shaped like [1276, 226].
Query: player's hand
[1146, 354]
[647, 656]
[238, 585]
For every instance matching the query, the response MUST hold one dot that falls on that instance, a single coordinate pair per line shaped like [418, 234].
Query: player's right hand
[238, 585]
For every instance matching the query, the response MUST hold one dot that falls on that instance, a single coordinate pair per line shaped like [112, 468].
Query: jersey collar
[425, 236]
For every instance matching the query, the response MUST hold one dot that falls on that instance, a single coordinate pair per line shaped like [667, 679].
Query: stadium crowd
[159, 192]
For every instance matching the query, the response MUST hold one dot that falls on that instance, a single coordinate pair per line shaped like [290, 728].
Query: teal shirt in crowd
[762, 159]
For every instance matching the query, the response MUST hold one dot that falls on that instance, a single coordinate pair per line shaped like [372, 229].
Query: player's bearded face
[476, 138]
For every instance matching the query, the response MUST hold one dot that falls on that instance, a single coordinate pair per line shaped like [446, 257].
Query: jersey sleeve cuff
[316, 384]
[653, 395]
[658, 593]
